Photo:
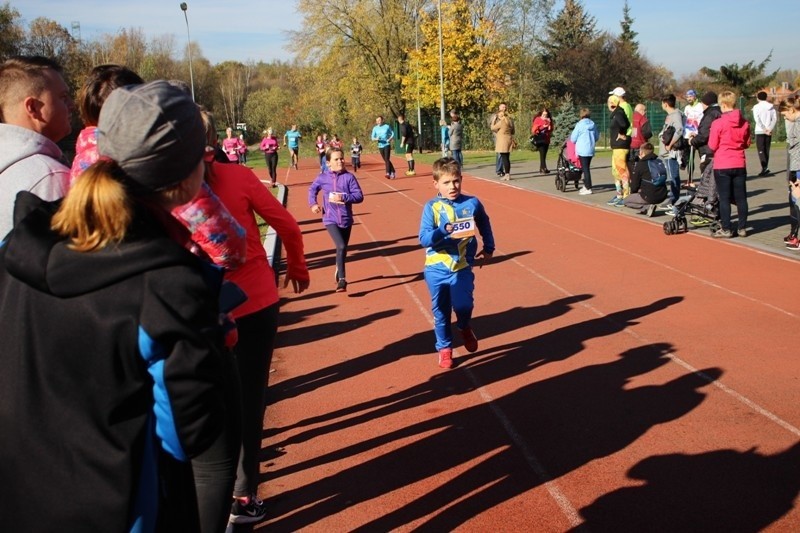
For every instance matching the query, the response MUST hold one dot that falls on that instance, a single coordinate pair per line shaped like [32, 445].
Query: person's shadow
[560, 424]
[723, 490]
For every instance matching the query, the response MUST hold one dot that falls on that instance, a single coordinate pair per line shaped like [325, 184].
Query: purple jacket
[335, 213]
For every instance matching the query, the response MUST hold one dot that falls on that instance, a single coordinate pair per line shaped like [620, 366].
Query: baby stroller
[568, 167]
[701, 203]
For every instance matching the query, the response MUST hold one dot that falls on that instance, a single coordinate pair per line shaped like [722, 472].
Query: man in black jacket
[699, 141]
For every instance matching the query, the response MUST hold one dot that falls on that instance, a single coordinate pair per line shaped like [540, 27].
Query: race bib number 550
[463, 228]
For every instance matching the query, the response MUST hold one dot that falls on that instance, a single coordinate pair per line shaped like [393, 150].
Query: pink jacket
[269, 145]
[729, 138]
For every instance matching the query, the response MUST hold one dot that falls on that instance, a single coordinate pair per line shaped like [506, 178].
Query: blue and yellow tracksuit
[449, 259]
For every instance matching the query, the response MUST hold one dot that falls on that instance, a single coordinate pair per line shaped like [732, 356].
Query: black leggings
[543, 156]
[253, 357]
[386, 154]
[272, 165]
[586, 162]
[341, 238]
[215, 469]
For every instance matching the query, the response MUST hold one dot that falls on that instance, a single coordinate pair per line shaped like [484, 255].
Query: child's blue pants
[450, 291]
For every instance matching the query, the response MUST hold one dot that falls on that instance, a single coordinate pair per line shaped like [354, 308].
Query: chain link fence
[478, 136]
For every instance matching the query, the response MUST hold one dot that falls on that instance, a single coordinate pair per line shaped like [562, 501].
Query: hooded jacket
[700, 141]
[729, 138]
[335, 213]
[28, 162]
[111, 368]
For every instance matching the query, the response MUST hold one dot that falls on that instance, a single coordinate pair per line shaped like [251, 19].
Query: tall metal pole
[441, 64]
[184, 7]
[416, 47]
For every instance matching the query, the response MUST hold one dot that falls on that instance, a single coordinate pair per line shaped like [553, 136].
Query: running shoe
[470, 340]
[247, 511]
[651, 210]
[341, 286]
[584, 191]
[699, 222]
[722, 234]
[792, 241]
[741, 232]
[795, 246]
[615, 201]
[446, 358]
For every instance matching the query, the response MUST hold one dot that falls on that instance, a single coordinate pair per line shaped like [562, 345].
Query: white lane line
[535, 465]
[570, 513]
[631, 253]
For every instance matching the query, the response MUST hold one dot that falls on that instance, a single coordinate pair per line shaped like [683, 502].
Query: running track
[625, 381]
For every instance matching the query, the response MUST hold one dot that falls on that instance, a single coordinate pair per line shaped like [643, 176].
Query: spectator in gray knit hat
[120, 377]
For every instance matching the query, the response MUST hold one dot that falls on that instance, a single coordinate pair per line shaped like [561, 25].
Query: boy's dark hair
[647, 147]
[98, 85]
[446, 166]
[668, 99]
[762, 95]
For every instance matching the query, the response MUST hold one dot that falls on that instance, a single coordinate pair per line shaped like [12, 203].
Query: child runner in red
[447, 231]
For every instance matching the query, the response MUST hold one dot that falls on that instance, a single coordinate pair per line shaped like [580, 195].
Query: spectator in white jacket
[765, 117]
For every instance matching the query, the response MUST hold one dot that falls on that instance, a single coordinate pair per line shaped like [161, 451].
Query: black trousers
[763, 143]
[253, 357]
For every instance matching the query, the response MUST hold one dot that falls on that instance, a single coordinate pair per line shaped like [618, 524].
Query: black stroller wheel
[560, 185]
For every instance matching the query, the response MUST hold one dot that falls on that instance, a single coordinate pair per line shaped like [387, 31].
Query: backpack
[658, 171]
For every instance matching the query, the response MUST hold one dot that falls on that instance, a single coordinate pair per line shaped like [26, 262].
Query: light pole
[184, 7]
[441, 64]
[416, 47]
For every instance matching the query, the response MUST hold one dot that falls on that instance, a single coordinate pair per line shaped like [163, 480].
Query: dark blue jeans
[673, 179]
[731, 186]
[586, 162]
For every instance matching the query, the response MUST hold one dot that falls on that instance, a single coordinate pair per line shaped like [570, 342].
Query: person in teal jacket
[383, 134]
[450, 223]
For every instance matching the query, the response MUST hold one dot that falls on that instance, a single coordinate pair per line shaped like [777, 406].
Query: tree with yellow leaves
[477, 71]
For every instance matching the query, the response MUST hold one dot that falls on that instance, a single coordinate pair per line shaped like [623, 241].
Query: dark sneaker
[446, 358]
[792, 241]
[722, 234]
[470, 340]
[790, 237]
[341, 286]
[247, 513]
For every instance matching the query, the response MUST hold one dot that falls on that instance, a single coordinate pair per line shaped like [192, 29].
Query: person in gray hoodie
[456, 135]
[667, 146]
[35, 111]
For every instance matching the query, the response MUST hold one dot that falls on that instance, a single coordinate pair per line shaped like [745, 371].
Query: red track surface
[625, 381]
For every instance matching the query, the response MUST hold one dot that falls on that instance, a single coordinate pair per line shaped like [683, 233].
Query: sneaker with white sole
[247, 512]
[615, 201]
[584, 191]
[651, 210]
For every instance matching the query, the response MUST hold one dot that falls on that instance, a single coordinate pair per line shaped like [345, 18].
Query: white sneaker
[585, 191]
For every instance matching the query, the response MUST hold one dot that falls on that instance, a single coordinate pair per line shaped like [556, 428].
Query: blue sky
[681, 35]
